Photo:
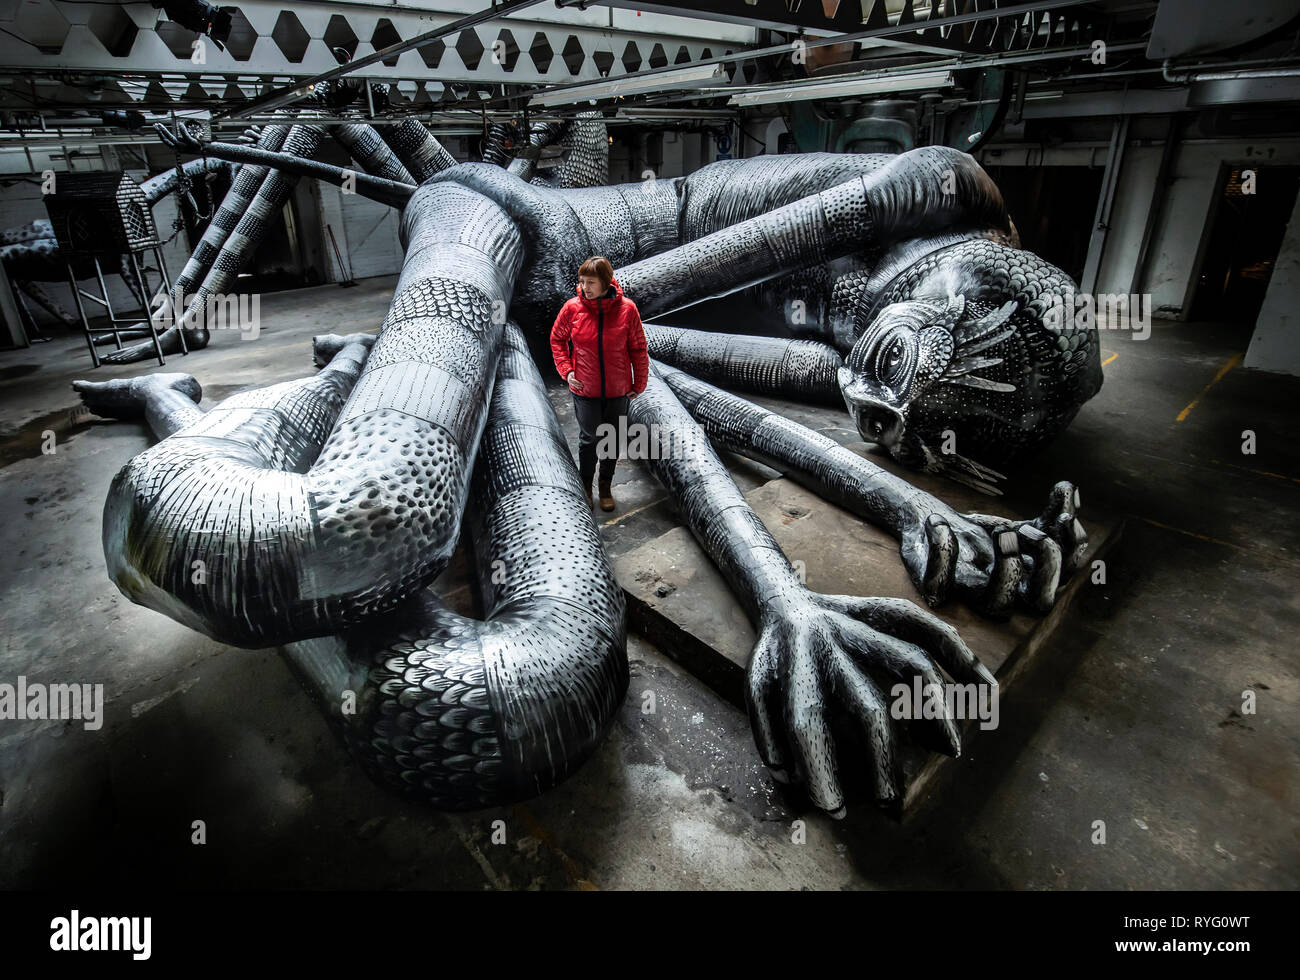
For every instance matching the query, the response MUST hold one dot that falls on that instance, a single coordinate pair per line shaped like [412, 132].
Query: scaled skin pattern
[315, 514]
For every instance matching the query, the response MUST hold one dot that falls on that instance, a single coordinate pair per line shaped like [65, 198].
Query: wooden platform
[679, 601]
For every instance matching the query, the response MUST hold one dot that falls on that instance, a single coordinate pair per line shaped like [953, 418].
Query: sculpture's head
[910, 355]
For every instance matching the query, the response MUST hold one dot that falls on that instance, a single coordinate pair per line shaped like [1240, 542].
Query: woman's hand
[574, 384]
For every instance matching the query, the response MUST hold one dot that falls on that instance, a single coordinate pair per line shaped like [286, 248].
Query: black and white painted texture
[315, 514]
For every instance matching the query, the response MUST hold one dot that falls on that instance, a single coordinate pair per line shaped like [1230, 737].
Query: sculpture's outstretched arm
[816, 654]
[467, 713]
[800, 369]
[924, 190]
[989, 562]
[292, 164]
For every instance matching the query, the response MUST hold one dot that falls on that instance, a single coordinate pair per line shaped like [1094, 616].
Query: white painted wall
[365, 230]
[1275, 344]
[1133, 197]
[1179, 240]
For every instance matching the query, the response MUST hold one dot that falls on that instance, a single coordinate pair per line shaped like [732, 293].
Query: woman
[600, 350]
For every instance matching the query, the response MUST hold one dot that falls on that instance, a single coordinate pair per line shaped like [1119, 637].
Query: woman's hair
[599, 267]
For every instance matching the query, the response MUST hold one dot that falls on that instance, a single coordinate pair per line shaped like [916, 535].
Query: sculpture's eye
[892, 363]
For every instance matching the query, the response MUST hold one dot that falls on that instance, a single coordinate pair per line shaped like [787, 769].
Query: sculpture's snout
[877, 421]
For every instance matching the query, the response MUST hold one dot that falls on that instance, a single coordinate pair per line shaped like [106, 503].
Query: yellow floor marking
[1247, 469]
[1109, 359]
[1199, 537]
[1232, 363]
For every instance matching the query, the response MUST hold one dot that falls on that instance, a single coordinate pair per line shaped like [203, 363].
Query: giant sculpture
[317, 512]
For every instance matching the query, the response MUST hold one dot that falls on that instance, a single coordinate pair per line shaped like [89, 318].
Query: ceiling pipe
[1189, 77]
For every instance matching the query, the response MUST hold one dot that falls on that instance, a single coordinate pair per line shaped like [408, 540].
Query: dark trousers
[591, 414]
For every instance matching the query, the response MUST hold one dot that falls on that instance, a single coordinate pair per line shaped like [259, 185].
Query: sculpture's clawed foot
[994, 562]
[324, 346]
[818, 655]
[126, 398]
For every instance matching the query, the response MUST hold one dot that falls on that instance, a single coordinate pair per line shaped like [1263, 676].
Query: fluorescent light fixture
[650, 113]
[881, 84]
[699, 75]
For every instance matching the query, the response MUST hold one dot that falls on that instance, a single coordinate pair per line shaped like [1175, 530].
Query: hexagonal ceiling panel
[40, 24]
[505, 50]
[341, 39]
[113, 29]
[386, 34]
[470, 48]
[573, 54]
[541, 53]
[290, 36]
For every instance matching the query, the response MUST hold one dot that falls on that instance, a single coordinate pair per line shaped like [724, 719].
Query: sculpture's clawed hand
[993, 562]
[821, 655]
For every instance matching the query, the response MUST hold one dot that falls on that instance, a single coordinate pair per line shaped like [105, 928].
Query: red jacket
[608, 345]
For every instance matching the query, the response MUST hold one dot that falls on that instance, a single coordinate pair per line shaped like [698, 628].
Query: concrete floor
[1134, 719]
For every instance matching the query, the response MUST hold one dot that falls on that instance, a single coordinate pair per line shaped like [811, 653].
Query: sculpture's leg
[989, 562]
[37, 294]
[292, 550]
[467, 713]
[801, 369]
[167, 402]
[244, 186]
[585, 141]
[367, 147]
[418, 149]
[815, 654]
[239, 244]
[285, 424]
[128, 277]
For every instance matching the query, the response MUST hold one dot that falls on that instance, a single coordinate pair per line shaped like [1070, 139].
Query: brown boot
[606, 497]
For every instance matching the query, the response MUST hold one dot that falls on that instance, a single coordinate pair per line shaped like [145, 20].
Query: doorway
[1252, 207]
